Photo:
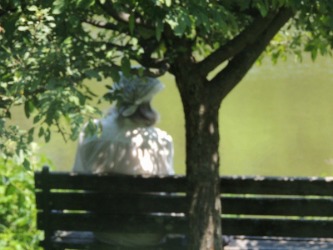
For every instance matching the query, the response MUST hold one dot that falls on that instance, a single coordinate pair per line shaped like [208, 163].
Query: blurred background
[278, 121]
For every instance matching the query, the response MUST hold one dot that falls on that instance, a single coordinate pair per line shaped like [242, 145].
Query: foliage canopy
[49, 48]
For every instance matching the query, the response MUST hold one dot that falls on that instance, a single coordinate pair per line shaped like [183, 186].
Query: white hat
[133, 91]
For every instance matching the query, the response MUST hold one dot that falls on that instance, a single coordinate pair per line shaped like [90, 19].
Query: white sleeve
[170, 147]
[90, 155]
[85, 151]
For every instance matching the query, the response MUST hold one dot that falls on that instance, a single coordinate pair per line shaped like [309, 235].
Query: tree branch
[236, 69]
[154, 67]
[104, 25]
[146, 72]
[4, 12]
[234, 46]
[109, 9]
[153, 63]
[157, 72]
[123, 17]
[108, 45]
[149, 47]
[61, 131]
[150, 72]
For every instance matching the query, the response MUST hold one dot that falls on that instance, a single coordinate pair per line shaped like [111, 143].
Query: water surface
[277, 121]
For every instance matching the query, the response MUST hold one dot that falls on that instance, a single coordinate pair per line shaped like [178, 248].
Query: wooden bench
[72, 206]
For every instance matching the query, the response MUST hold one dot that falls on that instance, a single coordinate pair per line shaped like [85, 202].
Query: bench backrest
[253, 206]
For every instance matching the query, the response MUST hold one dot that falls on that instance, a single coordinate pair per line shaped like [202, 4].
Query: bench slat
[229, 184]
[83, 240]
[114, 223]
[278, 227]
[276, 185]
[121, 203]
[230, 226]
[285, 206]
[124, 203]
[119, 183]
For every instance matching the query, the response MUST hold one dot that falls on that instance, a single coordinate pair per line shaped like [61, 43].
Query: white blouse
[132, 151]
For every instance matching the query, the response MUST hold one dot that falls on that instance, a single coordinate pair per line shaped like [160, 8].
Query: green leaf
[47, 135]
[74, 99]
[114, 73]
[33, 8]
[262, 7]
[37, 118]
[28, 108]
[179, 21]
[168, 3]
[131, 23]
[314, 54]
[58, 7]
[85, 3]
[31, 134]
[243, 4]
[41, 132]
[91, 73]
[23, 28]
[125, 66]
[26, 164]
[159, 29]
[183, 24]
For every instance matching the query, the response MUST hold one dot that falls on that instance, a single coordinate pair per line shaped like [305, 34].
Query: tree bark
[203, 176]
[201, 106]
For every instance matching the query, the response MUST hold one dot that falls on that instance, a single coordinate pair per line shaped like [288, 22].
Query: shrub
[18, 228]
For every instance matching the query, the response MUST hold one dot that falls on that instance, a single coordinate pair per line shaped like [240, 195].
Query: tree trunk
[201, 106]
[202, 138]
[201, 101]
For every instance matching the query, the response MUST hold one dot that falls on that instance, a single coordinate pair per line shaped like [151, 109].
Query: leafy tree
[49, 47]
